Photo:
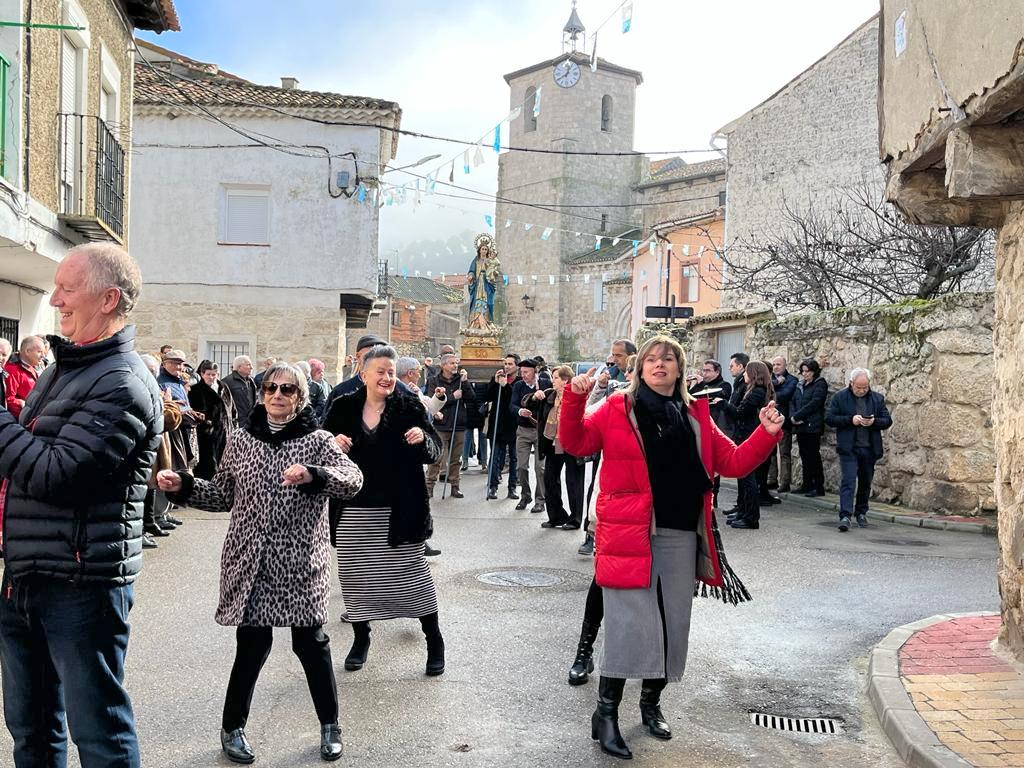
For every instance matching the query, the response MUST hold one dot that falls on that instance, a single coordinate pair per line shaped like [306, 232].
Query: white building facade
[247, 248]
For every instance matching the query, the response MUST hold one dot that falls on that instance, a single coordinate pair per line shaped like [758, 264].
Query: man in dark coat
[450, 422]
[244, 392]
[526, 436]
[711, 380]
[501, 427]
[74, 468]
[780, 466]
[858, 415]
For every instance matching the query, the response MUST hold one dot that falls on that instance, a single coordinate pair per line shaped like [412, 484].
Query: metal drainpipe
[28, 90]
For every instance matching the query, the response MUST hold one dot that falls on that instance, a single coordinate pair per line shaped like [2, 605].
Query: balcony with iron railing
[91, 177]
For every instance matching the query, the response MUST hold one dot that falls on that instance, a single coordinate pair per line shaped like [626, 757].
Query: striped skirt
[379, 581]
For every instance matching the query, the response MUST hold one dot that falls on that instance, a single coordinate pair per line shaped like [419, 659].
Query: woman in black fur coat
[212, 432]
[380, 532]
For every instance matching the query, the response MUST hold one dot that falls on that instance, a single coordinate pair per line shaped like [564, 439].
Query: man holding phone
[858, 414]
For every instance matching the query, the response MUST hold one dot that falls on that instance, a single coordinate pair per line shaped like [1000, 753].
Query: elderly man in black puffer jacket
[74, 469]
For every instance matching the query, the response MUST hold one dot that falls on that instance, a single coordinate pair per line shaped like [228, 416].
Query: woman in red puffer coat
[655, 532]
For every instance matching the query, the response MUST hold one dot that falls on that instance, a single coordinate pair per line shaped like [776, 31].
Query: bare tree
[856, 249]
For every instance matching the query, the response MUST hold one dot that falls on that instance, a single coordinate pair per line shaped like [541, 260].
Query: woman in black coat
[212, 431]
[759, 392]
[380, 532]
[807, 415]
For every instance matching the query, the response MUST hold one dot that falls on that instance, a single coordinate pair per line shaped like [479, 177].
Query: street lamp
[421, 161]
[527, 301]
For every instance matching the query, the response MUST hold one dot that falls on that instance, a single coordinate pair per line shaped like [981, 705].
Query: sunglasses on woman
[271, 387]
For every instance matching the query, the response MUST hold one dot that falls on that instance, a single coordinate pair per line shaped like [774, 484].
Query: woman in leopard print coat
[275, 478]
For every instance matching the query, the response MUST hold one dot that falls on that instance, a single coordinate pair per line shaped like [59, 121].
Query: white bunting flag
[478, 157]
[508, 223]
[546, 233]
[615, 241]
[551, 279]
[519, 279]
[527, 227]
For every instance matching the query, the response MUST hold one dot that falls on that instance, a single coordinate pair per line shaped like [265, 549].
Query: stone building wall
[1009, 423]
[815, 137]
[933, 361]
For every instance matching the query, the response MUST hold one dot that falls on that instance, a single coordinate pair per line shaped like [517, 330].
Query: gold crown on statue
[485, 239]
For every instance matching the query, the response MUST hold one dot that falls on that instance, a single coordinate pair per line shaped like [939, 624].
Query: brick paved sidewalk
[970, 698]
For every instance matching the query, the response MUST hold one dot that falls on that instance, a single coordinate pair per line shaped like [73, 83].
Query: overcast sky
[704, 63]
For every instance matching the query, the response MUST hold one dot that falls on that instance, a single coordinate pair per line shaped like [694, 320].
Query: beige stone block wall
[933, 361]
[1008, 416]
[287, 333]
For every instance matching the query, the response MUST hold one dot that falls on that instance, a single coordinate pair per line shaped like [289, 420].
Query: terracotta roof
[154, 15]
[221, 90]
[608, 252]
[684, 172]
[423, 290]
[669, 163]
[714, 213]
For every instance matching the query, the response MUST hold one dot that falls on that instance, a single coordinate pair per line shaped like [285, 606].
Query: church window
[604, 222]
[599, 296]
[606, 114]
[529, 119]
[721, 197]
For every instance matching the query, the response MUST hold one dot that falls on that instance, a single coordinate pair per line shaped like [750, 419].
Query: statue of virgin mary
[484, 274]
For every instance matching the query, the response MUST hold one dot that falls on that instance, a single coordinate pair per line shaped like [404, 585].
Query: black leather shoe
[330, 742]
[650, 713]
[587, 547]
[523, 504]
[492, 495]
[360, 646]
[429, 551]
[732, 512]
[768, 500]
[604, 724]
[236, 746]
[581, 668]
[512, 494]
[148, 543]
[537, 509]
[173, 519]
[457, 494]
[742, 523]
[435, 655]
[155, 530]
[814, 494]
[549, 524]
[732, 518]
[572, 525]
[166, 525]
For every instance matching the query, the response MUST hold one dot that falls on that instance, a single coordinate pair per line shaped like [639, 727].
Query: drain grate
[824, 725]
[519, 578]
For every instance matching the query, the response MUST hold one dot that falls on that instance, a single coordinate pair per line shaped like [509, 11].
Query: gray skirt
[640, 640]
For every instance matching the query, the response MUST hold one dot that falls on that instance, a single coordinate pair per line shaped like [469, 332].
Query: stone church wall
[816, 137]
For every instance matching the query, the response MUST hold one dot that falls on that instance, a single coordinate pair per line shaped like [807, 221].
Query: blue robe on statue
[481, 298]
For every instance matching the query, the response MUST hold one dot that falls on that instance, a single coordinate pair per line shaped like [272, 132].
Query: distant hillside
[451, 255]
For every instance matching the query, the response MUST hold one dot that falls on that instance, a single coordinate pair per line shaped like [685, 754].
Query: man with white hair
[23, 369]
[408, 370]
[858, 415]
[74, 468]
[244, 392]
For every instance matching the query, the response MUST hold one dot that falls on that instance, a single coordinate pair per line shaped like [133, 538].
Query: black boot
[581, 668]
[650, 708]
[435, 645]
[360, 646]
[331, 747]
[236, 746]
[604, 725]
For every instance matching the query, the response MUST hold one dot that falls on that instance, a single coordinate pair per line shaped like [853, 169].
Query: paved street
[822, 599]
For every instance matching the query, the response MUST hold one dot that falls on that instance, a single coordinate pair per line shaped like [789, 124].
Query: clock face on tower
[567, 74]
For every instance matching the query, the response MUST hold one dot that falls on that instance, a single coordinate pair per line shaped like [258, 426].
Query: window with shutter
[71, 125]
[246, 219]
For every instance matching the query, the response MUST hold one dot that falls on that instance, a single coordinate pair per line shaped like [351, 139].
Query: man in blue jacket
[858, 415]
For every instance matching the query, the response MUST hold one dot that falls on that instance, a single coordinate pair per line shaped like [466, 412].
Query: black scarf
[304, 423]
[678, 478]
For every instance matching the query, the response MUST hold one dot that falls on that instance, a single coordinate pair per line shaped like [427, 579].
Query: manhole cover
[519, 578]
[825, 725]
[902, 542]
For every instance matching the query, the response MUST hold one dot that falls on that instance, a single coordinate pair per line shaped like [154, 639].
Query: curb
[915, 742]
[934, 523]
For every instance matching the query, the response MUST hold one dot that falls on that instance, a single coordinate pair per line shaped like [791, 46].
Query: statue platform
[481, 354]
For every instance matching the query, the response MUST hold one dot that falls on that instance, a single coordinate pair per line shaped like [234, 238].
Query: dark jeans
[502, 448]
[62, 650]
[313, 648]
[475, 443]
[810, 461]
[858, 471]
[747, 499]
[574, 478]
